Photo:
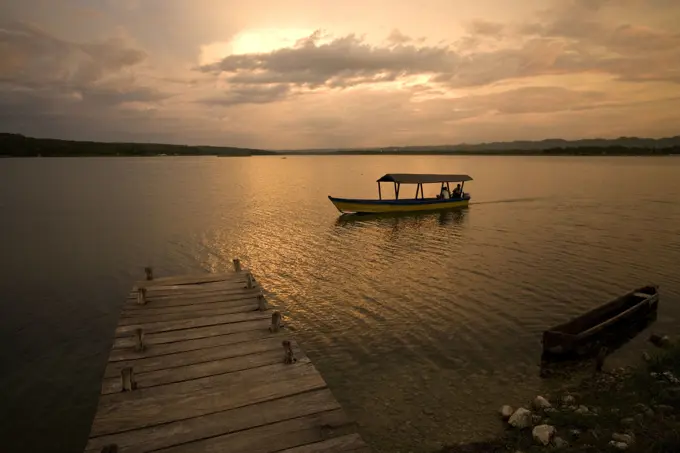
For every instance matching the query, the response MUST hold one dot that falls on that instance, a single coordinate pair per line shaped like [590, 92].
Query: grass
[642, 402]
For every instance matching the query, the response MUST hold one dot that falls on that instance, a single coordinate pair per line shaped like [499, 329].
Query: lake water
[423, 325]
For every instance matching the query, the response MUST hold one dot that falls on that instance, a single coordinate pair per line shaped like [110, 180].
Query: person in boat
[444, 194]
[457, 192]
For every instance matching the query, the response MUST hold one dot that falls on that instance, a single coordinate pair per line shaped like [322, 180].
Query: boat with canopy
[447, 199]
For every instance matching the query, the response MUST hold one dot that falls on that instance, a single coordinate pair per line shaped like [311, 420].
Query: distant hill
[16, 145]
[622, 145]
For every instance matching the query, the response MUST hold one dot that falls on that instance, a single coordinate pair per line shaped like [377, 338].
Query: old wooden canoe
[578, 333]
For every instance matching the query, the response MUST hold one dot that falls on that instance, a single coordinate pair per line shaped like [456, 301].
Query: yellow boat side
[344, 205]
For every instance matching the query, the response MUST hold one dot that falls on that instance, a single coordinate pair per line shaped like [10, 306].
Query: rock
[615, 410]
[629, 421]
[520, 419]
[663, 408]
[506, 411]
[625, 438]
[660, 341]
[575, 432]
[639, 418]
[541, 403]
[543, 434]
[654, 375]
[558, 442]
[550, 410]
[618, 445]
[671, 377]
[536, 419]
[646, 357]
[582, 410]
[644, 410]
[569, 400]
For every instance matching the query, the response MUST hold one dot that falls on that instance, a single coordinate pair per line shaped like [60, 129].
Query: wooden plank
[187, 309]
[201, 369]
[189, 299]
[146, 364]
[197, 289]
[166, 403]
[205, 321]
[350, 442]
[269, 438]
[188, 279]
[190, 334]
[242, 418]
[147, 318]
[153, 350]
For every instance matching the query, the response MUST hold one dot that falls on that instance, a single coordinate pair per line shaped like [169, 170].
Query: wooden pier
[202, 364]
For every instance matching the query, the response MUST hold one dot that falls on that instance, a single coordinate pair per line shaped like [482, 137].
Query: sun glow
[253, 41]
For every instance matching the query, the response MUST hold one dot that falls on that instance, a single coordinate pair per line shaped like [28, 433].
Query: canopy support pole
[398, 187]
[461, 189]
[379, 191]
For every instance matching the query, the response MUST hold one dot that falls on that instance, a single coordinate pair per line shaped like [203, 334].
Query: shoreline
[630, 409]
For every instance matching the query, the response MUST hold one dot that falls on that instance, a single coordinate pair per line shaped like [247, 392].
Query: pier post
[261, 302]
[288, 350]
[141, 296]
[149, 272]
[276, 322]
[139, 340]
[128, 382]
[237, 265]
[250, 282]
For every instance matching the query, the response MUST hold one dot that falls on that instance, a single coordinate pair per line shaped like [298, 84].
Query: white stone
[541, 403]
[506, 411]
[582, 410]
[543, 434]
[618, 445]
[625, 438]
[569, 400]
[671, 377]
[521, 418]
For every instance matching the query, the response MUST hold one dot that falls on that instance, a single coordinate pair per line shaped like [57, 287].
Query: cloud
[342, 62]
[29, 55]
[250, 95]
[485, 28]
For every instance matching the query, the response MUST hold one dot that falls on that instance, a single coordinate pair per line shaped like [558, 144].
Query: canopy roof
[412, 178]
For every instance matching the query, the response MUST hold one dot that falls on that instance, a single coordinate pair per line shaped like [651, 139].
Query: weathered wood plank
[198, 313]
[147, 364]
[242, 418]
[189, 299]
[157, 291]
[151, 310]
[162, 317]
[166, 403]
[153, 350]
[188, 279]
[205, 321]
[190, 334]
[200, 369]
[269, 438]
[350, 442]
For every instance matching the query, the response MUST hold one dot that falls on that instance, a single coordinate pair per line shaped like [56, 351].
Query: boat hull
[347, 205]
[578, 335]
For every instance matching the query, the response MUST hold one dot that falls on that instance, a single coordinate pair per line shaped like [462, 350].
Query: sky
[304, 74]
